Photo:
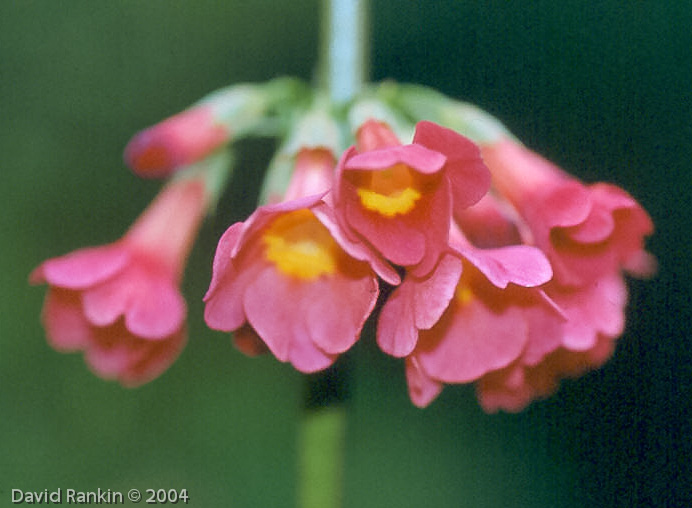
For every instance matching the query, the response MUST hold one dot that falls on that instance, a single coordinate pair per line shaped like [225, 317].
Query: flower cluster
[500, 269]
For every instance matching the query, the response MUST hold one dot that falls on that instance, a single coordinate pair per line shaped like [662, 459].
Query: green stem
[343, 47]
[321, 458]
[322, 436]
[323, 423]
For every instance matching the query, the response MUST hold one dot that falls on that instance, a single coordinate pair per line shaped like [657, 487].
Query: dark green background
[601, 87]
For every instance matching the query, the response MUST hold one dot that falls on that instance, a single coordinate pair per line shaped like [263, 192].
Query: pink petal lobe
[470, 341]
[417, 157]
[246, 340]
[468, 174]
[356, 249]
[416, 304]
[566, 204]
[82, 268]
[518, 264]
[224, 299]
[597, 227]
[118, 355]
[336, 310]
[433, 222]
[398, 241]
[157, 311]
[223, 255]
[273, 305]
[66, 328]
[422, 389]
[432, 294]
[108, 301]
[397, 334]
[153, 360]
[593, 311]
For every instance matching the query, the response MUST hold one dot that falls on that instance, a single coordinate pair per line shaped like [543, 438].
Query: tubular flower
[399, 198]
[586, 339]
[180, 140]
[514, 387]
[593, 316]
[486, 325]
[120, 303]
[586, 231]
[313, 174]
[293, 277]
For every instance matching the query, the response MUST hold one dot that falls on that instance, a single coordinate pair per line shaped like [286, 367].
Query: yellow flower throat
[301, 246]
[390, 192]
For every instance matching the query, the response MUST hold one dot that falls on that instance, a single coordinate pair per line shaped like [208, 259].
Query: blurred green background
[602, 88]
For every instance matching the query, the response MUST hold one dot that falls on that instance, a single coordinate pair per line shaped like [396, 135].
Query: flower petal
[156, 311]
[421, 388]
[336, 309]
[416, 304]
[66, 328]
[273, 304]
[418, 157]
[82, 268]
[470, 341]
[154, 358]
[395, 238]
[467, 173]
[518, 264]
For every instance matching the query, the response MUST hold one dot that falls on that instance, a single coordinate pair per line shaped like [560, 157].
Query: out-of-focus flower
[488, 321]
[291, 275]
[399, 198]
[175, 142]
[120, 303]
[586, 231]
[197, 132]
[313, 173]
[583, 341]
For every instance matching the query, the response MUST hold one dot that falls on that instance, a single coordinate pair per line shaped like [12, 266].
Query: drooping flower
[290, 275]
[586, 339]
[593, 316]
[180, 140]
[193, 134]
[399, 198]
[120, 303]
[486, 325]
[586, 231]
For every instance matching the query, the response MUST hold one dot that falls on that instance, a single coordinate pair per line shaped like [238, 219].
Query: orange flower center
[389, 192]
[464, 293]
[301, 246]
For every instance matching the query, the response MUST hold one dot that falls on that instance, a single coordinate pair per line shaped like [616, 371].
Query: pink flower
[585, 340]
[586, 231]
[313, 173]
[582, 337]
[120, 303]
[303, 288]
[487, 323]
[514, 387]
[177, 141]
[399, 198]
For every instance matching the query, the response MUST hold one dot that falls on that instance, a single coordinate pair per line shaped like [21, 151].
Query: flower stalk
[323, 428]
[343, 47]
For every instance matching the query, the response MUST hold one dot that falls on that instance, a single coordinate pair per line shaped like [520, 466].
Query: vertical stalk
[322, 436]
[323, 424]
[321, 458]
[343, 47]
